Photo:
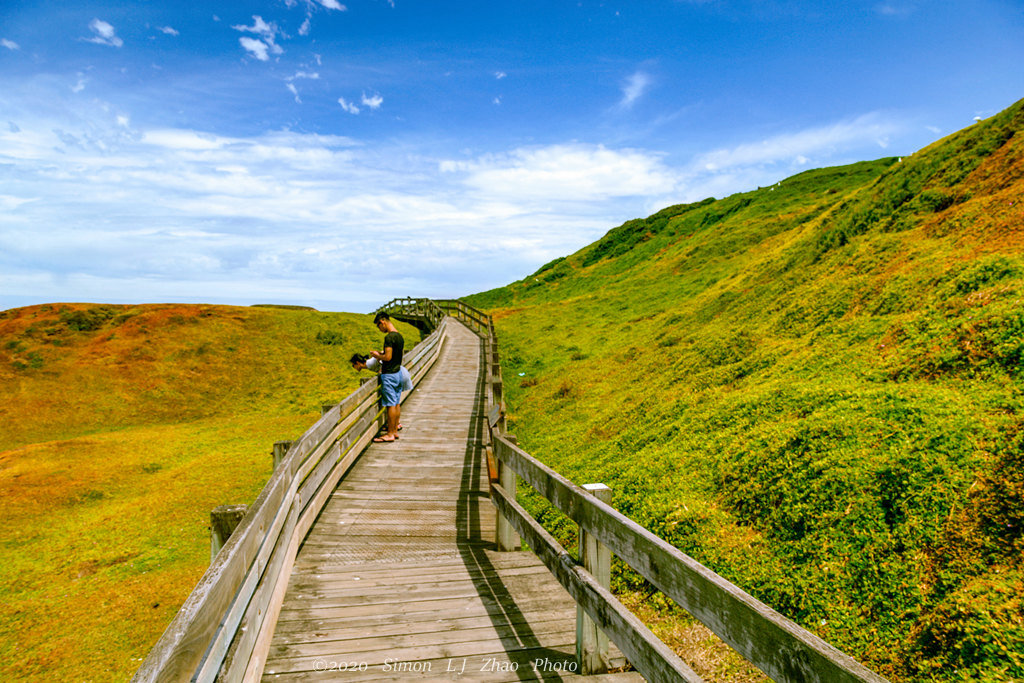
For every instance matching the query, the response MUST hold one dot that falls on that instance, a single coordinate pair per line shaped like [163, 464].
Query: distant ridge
[287, 307]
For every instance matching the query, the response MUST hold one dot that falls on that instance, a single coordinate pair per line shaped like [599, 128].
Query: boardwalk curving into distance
[398, 578]
[379, 562]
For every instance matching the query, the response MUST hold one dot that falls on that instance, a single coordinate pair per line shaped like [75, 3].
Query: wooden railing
[223, 630]
[779, 647]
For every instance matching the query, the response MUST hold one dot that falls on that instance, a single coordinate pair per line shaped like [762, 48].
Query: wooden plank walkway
[399, 580]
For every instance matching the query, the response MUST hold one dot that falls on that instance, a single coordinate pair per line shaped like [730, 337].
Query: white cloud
[10, 44]
[500, 75]
[304, 29]
[813, 143]
[372, 102]
[168, 30]
[9, 202]
[333, 4]
[571, 172]
[104, 34]
[348, 106]
[895, 9]
[174, 139]
[257, 48]
[288, 216]
[261, 49]
[294, 91]
[634, 88]
[258, 27]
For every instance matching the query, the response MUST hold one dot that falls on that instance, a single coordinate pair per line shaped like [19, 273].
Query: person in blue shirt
[390, 374]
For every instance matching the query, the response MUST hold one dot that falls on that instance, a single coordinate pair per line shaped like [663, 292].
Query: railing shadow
[522, 645]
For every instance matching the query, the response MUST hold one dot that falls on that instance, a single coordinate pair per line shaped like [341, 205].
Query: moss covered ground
[815, 388]
[121, 428]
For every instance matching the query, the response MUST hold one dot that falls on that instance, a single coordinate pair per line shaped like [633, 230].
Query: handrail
[779, 647]
[223, 629]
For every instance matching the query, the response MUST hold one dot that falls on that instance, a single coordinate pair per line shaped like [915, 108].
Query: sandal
[384, 439]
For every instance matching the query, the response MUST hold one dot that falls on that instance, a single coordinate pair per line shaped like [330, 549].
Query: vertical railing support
[223, 521]
[591, 642]
[505, 534]
[280, 450]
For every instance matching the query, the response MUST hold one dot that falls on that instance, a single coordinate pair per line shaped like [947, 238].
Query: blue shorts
[390, 389]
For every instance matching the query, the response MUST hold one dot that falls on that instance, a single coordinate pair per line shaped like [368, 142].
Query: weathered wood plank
[533, 664]
[378, 657]
[382, 569]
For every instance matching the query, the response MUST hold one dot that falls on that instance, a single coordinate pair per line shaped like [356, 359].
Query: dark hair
[358, 358]
[380, 316]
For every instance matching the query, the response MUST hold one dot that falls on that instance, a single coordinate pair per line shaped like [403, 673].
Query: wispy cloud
[168, 30]
[257, 48]
[266, 44]
[500, 75]
[299, 75]
[815, 142]
[574, 172]
[10, 44]
[103, 34]
[183, 214]
[634, 88]
[895, 9]
[348, 106]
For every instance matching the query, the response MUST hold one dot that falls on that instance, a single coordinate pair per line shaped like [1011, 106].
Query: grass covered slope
[814, 388]
[121, 428]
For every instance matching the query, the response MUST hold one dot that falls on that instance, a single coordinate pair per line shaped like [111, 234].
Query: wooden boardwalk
[398, 579]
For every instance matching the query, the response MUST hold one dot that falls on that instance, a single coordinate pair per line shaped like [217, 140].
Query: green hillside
[814, 388]
[121, 428]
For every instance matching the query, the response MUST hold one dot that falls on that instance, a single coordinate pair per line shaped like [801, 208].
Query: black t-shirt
[395, 341]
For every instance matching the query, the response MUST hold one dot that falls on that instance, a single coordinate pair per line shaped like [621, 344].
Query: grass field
[121, 429]
[814, 388]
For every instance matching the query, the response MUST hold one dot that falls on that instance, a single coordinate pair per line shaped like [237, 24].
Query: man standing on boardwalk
[390, 374]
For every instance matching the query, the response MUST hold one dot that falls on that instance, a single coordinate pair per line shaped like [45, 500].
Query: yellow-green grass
[117, 442]
[815, 389]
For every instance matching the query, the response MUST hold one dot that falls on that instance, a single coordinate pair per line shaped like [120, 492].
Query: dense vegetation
[815, 388]
[121, 427]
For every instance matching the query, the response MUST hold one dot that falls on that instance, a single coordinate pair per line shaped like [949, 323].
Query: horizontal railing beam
[243, 586]
[651, 657]
[773, 643]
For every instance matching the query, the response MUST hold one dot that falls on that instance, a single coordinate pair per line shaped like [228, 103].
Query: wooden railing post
[591, 642]
[507, 538]
[280, 450]
[223, 521]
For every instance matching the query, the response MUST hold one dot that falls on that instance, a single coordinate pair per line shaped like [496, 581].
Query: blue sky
[338, 154]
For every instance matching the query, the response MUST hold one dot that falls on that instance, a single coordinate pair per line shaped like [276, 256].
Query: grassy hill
[120, 429]
[815, 388]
